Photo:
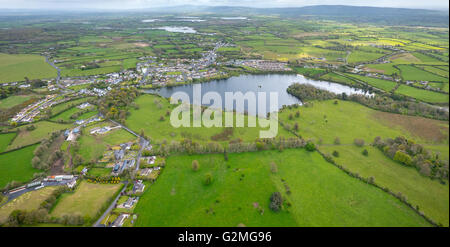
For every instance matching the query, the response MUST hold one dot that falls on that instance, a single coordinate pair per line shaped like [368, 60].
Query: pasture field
[325, 120]
[66, 115]
[59, 108]
[43, 130]
[14, 100]
[435, 70]
[384, 85]
[15, 67]
[320, 194]
[337, 78]
[5, 140]
[422, 95]
[361, 56]
[16, 165]
[87, 200]
[152, 107]
[431, 196]
[384, 68]
[93, 147]
[99, 172]
[412, 73]
[28, 201]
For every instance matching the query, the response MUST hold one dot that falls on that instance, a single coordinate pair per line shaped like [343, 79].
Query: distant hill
[376, 15]
[388, 16]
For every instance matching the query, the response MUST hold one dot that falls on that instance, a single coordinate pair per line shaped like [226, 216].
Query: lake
[258, 83]
[177, 29]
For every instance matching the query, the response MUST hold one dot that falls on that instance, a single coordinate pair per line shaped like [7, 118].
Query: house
[118, 154]
[119, 221]
[72, 183]
[138, 186]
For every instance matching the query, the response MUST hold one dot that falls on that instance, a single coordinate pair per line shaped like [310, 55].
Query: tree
[403, 158]
[208, 179]
[365, 152]
[335, 153]
[35, 162]
[359, 142]
[276, 201]
[310, 146]
[273, 167]
[337, 141]
[225, 155]
[195, 165]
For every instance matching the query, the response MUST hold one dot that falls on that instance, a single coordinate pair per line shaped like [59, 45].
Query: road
[111, 207]
[57, 69]
[12, 196]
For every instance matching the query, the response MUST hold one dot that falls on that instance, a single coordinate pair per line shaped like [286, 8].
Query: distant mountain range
[380, 15]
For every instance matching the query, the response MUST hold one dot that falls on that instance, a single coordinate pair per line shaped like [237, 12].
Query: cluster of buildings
[263, 65]
[28, 113]
[124, 158]
[103, 130]
[179, 70]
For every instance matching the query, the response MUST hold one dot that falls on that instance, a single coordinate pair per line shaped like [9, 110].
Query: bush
[273, 167]
[403, 158]
[276, 200]
[208, 179]
[195, 165]
[335, 153]
[310, 147]
[337, 141]
[359, 142]
[365, 152]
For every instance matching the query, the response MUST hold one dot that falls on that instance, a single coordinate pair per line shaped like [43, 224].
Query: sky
[137, 4]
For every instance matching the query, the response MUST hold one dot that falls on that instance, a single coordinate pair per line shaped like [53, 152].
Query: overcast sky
[135, 4]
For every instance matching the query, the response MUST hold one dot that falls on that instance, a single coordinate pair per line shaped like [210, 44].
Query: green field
[321, 194]
[14, 100]
[431, 196]
[16, 165]
[326, 120]
[87, 200]
[384, 68]
[361, 56]
[422, 95]
[28, 201]
[148, 119]
[99, 172]
[375, 82]
[43, 130]
[412, 73]
[15, 67]
[93, 147]
[5, 140]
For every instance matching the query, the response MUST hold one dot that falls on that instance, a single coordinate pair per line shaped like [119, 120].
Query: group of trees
[5, 92]
[382, 102]
[43, 156]
[276, 201]
[115, 104]
[409, 153]
[41, 215]
[307, 92]
[191, 147]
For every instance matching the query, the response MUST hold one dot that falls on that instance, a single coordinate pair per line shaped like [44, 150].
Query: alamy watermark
[212, 116]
